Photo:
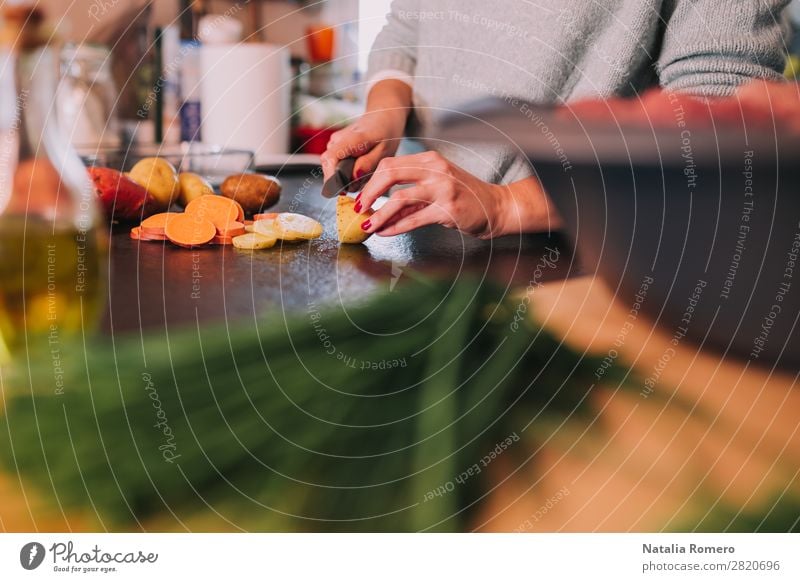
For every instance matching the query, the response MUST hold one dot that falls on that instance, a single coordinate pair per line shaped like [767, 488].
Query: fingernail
[366, 225]
[357, 207]
[359, 173]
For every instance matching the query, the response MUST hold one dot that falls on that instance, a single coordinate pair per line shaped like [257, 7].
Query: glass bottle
[87, 98]
[52, 252]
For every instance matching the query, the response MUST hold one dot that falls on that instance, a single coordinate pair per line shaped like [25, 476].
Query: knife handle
[345, 170]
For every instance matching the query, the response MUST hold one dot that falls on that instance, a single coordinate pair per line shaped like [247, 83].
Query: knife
[342, 180]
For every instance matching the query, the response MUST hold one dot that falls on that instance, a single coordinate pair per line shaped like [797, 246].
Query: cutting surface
[153, 284]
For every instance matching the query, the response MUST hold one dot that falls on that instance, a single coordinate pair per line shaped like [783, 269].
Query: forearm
[710, 47]
[524, 207]
[391, 97]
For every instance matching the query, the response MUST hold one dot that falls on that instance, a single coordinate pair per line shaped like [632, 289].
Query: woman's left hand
[442, 193]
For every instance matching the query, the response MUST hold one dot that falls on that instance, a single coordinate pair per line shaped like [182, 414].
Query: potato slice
[265, 227]
[253, 241]
[348, 221]
[290, 226]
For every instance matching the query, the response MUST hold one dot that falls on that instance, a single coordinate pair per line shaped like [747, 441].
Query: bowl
[698, 227]
[214, 163]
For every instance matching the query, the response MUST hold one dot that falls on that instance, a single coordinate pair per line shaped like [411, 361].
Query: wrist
[390, 100]
[524, 207]
[500, 212]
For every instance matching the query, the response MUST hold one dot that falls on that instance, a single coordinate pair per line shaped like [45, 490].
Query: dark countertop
[153, 284]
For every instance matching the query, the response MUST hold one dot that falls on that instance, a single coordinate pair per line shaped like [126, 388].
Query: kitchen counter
[153, 284]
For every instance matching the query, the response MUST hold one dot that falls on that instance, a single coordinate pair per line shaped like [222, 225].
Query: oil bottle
[52, 251]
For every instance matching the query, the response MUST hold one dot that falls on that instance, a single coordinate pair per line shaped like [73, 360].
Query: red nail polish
[357, 207]
[359, 173]
[366, 225]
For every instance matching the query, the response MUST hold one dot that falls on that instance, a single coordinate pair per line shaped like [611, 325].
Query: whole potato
[159, 178]
[192, 186]
[255, 192]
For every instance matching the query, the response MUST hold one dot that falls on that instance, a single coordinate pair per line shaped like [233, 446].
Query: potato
[265, 227]
[192, 186]
[253, 241]
[289, 226]
[159, 178]
[254, 192]
[348, 221]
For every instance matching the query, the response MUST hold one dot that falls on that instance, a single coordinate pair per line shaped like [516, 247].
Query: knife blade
[342, 179]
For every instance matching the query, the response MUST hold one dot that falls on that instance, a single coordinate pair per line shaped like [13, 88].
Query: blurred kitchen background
[275, 78]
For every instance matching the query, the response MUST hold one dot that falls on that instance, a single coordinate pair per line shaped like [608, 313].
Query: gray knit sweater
[554, 51]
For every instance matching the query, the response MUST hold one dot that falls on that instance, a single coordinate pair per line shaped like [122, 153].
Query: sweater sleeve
[710, 47]
[395, 48]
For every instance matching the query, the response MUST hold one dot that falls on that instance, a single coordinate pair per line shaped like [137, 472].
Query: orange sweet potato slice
[241, 211]
[231, 229]
[222, 240]
[138, 234]
[155, 224]
[190, 230]
[216, 209]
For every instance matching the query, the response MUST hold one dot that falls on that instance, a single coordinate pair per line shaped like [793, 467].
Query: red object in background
[320, 39]
[121, 197]
[313, 140]
[655, 107]
[759, 105]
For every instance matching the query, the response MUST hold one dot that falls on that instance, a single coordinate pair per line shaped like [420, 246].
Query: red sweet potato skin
[122, 198]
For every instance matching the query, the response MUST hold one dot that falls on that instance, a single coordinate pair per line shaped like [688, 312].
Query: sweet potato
[121, 197]
[190, 230]
[219, 210]
[155, 224]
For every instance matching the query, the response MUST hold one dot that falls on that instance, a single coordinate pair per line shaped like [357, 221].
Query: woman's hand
[376, 134]
[442, 193]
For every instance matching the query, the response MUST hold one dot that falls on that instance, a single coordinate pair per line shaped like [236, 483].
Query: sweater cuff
[395, 74]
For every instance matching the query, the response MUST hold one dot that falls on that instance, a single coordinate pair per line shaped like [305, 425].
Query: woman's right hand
[376, 134]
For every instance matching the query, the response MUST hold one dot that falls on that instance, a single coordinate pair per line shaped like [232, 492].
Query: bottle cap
[23, 26]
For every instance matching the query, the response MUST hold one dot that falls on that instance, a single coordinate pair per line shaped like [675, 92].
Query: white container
[245, 97]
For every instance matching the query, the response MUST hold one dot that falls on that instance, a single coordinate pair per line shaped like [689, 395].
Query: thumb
[328, 165]
[367, 163]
